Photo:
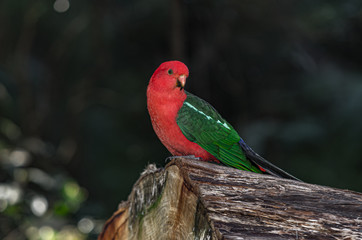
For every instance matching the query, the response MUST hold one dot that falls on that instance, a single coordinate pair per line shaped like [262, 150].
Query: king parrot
[188, 125]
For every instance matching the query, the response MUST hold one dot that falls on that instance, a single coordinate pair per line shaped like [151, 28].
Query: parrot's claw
[187, 157]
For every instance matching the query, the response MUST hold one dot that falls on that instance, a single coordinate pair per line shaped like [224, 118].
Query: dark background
[74, 129]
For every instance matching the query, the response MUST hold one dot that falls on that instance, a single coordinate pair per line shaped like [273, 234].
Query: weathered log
[198, 200]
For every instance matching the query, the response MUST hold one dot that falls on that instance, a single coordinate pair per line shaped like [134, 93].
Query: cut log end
[199, 200]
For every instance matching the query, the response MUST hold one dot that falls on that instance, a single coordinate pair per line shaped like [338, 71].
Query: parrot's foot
[187, 157]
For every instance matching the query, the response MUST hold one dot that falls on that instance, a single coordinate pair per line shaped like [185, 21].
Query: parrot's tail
[263, 164]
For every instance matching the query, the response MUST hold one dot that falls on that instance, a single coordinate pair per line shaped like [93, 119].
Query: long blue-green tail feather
[263, 163]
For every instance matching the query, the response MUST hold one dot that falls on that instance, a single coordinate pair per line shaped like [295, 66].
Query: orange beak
[181, 81]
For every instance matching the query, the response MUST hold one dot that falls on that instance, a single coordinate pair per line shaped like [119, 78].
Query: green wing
[202, 124]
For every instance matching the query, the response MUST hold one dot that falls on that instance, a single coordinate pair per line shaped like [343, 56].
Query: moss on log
[198, 200]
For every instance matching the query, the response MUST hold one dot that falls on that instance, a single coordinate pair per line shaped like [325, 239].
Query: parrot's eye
[170, 71]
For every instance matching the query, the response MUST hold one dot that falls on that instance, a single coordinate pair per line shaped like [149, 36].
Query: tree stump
[198, 200]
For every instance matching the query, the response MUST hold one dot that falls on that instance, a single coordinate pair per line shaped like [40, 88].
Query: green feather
[202, 124]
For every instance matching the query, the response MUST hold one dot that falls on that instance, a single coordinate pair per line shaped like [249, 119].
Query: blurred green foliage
[74, 128]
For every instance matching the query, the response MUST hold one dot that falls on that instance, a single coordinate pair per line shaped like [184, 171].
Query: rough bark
[198, 200]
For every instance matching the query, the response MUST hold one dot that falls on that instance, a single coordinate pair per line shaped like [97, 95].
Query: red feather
[164, 100]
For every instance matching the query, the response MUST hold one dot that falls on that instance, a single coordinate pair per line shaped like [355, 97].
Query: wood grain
[197, 200]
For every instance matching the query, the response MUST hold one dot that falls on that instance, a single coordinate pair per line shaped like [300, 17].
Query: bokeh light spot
[41, 178]
[39, 205]
[85, 225]
[71, 190]
[10, 193]
[61, 6]
[19, 157]
[32, 233]
[46, 233]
